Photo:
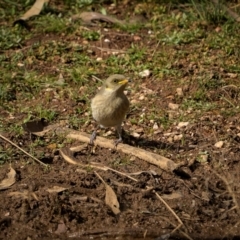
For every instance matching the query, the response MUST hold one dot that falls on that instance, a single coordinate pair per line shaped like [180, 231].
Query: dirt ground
[65, 201]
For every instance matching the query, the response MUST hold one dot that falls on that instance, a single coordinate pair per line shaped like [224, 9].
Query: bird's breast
[109, 110]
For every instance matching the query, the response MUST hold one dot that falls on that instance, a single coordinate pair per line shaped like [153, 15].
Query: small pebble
[173, 106]
[136, 38]
[136, 135]
[177, 137]
[134, 101]
[155, 126]
[232, 75]
[139, 130]
[219, 144]
[141, 97]
[202, 158]
[179, 91]
[182, 124]
[144, 73]
[170, 134]
[108, 133]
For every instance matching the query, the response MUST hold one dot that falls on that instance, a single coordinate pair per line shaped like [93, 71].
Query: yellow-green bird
[110, 105]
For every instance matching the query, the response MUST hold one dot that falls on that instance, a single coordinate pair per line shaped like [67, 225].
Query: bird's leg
[94, 135]
[119, 131]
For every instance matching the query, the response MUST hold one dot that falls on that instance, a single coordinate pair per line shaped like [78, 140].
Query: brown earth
[205, 200]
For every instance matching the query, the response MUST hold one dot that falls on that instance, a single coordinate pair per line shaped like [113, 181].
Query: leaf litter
[9, 180]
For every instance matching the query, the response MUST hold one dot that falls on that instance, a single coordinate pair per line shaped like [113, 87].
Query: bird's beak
[125, 81]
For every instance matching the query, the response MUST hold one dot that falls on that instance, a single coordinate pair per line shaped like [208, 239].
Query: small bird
[110, 105]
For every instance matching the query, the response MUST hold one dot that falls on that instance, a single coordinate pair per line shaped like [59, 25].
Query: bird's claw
[93, 137]
[117, 142]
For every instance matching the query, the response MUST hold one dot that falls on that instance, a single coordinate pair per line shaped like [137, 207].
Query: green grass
[210, 12]
[198, 105]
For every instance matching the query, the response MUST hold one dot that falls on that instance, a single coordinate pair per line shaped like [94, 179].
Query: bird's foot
[93, 137]
[118, 141]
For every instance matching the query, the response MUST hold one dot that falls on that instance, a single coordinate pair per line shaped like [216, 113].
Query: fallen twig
[174, 214]
[170, 209]
[28, 154]
[67, 155]
[110, 197]
[158, 160]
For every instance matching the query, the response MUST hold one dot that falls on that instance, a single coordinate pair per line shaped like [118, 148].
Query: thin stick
[228, 101]
[101, 44]
[174, 225]
[153, 158]
[191, 191]
[100, 80]
[168, 207]
[174, 214]
[100, 177]
[230, 86]
[28, 154]
[67, 157]
[156, 48]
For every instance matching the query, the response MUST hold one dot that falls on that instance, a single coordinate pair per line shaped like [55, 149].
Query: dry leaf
[9, 181]
[67, 155]
[52, 146]
[174, 195]
[173, 106]
[61, 228]
[39, 127]
[24, 194]
[34, 10]
[111, 199]
[56, 189]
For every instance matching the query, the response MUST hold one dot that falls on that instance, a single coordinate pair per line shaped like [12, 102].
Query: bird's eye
[115, 80]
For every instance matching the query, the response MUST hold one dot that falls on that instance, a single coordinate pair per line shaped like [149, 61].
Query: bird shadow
[146, 143]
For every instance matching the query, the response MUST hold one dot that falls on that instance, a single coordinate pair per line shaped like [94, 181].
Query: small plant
[91, 35]
[10, 38]
[210, 12]
[47, 114]
[198, 105]
[4, 155]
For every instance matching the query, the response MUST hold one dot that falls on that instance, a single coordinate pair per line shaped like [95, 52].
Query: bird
[110, 105]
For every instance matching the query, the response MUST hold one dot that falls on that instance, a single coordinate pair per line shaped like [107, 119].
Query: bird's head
[116, 82]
